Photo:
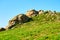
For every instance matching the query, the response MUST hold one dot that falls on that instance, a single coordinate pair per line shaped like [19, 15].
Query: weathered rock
[10, 24]
[41, 11]
[31, 13]
[2, 29]
[21, 18]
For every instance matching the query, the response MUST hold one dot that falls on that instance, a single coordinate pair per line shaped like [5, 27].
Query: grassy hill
[41, 27]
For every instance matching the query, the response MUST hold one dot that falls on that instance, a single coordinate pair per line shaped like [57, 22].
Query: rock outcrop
[22, 18]
[31, 13]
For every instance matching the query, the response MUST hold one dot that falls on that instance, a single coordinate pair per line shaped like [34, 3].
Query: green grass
[43, 27]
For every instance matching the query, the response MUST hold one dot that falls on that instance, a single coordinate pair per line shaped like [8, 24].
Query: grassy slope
[43, 27]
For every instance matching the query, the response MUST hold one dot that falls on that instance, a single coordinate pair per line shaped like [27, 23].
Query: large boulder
[21, 18]
[31, 13]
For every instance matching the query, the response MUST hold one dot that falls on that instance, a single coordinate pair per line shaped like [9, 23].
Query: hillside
[41, 27]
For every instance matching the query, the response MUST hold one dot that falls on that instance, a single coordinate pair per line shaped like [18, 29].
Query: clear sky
[10, 8]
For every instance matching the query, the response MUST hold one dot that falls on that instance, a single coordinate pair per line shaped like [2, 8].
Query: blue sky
[10, 8]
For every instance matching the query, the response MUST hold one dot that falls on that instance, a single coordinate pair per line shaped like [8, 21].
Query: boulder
[31, 13]
[21, 18]
[41, 11]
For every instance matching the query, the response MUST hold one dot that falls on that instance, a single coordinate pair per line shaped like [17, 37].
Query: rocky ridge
[23, 18]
